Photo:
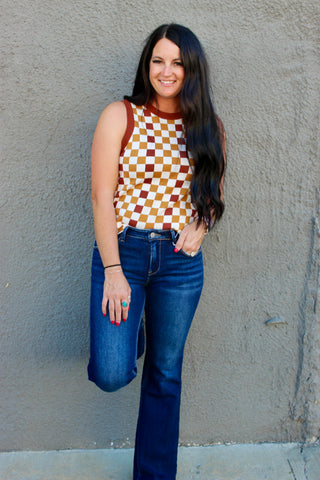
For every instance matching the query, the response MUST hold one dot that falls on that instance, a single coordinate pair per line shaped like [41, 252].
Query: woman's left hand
[190, 238]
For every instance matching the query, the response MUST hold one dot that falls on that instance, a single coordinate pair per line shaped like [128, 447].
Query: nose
[167, 70]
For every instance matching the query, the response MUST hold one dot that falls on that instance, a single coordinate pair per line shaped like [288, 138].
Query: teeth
[167, 83]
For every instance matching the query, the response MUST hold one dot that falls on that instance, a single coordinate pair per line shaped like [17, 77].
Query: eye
[179, 64]
[156, 61]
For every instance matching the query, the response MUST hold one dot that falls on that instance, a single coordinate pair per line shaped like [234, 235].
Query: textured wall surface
[251, 369]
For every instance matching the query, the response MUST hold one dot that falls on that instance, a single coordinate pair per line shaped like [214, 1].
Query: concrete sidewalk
[221, 462]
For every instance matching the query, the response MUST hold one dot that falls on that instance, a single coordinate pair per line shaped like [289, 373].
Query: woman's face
[166, 72]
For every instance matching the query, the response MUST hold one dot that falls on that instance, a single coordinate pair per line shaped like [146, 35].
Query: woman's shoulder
[116, 110]
[114, 117]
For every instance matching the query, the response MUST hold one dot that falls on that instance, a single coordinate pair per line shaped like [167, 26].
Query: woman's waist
[170, 220]
[149, 233]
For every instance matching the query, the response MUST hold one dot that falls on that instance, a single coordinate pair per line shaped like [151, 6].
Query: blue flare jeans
[167, 287]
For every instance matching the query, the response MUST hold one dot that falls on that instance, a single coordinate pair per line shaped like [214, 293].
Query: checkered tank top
[154, 172]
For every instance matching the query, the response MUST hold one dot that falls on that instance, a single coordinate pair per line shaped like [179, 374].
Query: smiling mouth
[167, 83]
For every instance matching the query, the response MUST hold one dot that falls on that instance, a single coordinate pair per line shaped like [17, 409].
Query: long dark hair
[199, 118]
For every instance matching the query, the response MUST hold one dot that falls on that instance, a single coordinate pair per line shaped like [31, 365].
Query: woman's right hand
[116, 290]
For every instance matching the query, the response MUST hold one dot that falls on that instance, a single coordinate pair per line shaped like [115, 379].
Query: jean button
[152, 235]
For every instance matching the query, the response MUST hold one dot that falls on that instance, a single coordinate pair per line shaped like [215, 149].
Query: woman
[157, 170]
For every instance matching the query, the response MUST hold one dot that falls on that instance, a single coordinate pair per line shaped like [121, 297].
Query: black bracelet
[115, 265]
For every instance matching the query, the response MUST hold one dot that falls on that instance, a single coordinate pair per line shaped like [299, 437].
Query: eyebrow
[158, 56]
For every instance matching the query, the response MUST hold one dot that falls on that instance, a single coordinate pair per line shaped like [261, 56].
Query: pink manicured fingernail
[117, 324]
[176, 249]
[124, 319]
[104, 314]
[128, 309]
[112, 321]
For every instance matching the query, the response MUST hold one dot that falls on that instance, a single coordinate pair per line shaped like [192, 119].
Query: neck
[167, 105]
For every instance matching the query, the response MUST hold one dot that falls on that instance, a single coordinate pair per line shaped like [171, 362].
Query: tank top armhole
[130, 126]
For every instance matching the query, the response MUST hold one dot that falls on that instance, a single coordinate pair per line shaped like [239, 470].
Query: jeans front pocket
[189, 255]
[182, 252]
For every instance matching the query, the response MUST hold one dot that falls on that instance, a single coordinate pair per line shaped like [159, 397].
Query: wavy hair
[203, 137]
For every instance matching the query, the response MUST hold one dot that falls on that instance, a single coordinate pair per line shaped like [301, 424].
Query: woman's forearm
[105, 227]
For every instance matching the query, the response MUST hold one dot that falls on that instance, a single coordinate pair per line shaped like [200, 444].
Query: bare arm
[105, 153]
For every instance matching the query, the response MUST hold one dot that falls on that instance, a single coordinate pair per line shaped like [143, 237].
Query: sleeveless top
[155, 172]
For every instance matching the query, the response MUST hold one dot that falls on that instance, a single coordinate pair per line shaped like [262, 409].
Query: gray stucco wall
[244, 381]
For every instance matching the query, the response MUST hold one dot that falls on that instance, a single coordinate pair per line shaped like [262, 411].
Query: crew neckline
[166, 115]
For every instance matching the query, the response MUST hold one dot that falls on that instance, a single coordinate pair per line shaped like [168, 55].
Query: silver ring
[192, 254]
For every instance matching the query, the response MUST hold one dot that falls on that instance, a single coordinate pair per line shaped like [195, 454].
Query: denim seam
[149, 239]
[151, 273]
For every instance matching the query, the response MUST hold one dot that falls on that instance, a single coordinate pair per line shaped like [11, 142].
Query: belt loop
[174, 236]
[123, 234]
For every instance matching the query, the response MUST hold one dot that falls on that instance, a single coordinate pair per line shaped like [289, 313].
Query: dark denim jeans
[167, 286]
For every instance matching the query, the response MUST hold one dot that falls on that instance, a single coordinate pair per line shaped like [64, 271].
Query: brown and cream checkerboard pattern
[154, 173]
